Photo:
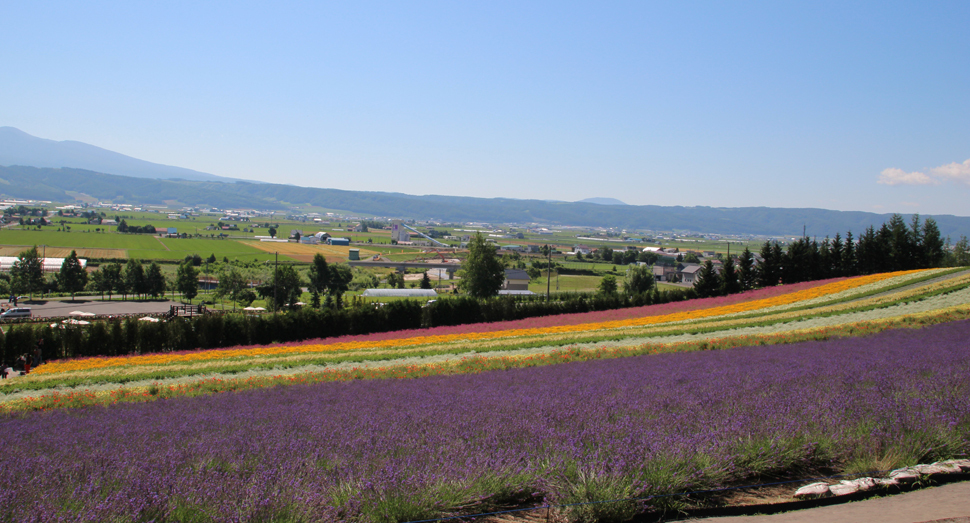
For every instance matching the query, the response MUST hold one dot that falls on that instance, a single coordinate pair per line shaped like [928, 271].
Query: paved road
[58, 308]
[949, 503]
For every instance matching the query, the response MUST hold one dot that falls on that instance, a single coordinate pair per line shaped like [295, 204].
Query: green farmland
[139, 246]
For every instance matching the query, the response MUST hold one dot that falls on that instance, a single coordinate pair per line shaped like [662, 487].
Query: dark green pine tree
[883, 257]
[866, 252]
[708, 282]
[900, 245]
[933, 245]
[835, 256]
[729, 278]
[746, 272]
[768, 270]
[849, 266]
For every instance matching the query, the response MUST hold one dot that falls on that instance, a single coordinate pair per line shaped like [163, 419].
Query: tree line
[130, 279]
[120, 336]
[894, 246]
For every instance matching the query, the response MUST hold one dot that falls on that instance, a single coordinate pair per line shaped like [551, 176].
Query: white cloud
[893, 176]
[955, 171]
[958, 172]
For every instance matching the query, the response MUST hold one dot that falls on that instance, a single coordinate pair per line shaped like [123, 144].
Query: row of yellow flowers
[224, 354]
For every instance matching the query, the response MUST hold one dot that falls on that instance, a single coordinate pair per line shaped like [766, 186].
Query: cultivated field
[116, 245]
[305, 253]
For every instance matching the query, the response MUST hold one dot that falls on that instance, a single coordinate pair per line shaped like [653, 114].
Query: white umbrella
[149, 318]
[82, 314]
[76, 322]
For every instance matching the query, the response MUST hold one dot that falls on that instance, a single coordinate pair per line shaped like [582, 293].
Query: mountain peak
[20, 148]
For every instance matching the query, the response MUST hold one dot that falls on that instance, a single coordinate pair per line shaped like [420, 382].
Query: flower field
[403, 450]
[848, 375]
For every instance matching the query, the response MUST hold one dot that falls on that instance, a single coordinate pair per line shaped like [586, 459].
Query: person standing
[39, 353]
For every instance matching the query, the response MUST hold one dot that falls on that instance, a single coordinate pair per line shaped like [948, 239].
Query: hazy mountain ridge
[20, 148]
[53, 184]
[603, 201]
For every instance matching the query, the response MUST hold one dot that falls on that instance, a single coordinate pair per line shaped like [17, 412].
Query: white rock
[951, 468]
[844, 488]
[862, 483]
[931, 470]
[813, 490]
[904, 475]
[964, 464]
[887, 482]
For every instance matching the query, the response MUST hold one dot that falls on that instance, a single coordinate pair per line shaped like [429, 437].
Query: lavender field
[415, 449]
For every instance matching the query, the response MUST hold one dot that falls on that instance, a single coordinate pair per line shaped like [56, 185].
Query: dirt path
[163, 243]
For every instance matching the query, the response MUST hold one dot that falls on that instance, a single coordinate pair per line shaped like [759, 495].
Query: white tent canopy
[49, 264]
[400, 293]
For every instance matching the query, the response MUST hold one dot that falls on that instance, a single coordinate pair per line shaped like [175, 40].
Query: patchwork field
[851, 375]
[137, 246]
[305, 253]
[77, 240]
[64, 252]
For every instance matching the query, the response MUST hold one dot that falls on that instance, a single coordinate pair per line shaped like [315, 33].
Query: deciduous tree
[319, 276]
[187, 281]
[27, 273]
[72, 277]
[155, 281]
[639, 280]
[482, 273]
[608, 285]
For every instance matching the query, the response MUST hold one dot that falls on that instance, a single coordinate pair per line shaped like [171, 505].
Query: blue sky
[837, 105]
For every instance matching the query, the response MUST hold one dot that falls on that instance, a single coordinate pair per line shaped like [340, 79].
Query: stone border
[899, 477]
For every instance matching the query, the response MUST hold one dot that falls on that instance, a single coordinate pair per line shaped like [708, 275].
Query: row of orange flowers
[217, 354]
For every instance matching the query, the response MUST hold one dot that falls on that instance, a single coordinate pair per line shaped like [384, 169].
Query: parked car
[15, 313]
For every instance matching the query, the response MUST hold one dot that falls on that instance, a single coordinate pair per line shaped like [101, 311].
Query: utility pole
[548, 271]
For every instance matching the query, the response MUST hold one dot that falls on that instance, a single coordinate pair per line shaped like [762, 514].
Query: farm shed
[516, 280]
[338, 241]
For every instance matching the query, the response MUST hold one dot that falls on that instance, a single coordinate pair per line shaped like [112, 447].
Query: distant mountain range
[64, 185]
[65, 171]
[602, 201]
[20, 148]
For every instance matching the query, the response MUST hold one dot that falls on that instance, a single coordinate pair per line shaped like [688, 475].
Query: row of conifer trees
[895, 246]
